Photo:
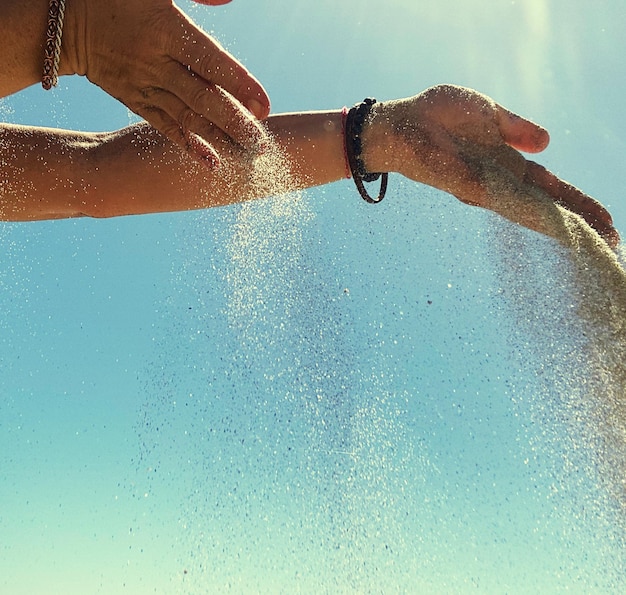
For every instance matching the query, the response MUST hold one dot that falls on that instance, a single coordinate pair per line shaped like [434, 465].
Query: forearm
[306, 149]
[50, 174]
[43, 172]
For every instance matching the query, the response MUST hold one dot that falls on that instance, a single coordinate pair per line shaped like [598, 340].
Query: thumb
[520, 133]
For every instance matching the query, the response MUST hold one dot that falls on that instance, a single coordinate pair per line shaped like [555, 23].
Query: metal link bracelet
[52, 47]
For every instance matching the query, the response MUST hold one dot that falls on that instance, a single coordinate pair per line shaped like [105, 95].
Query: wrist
[366, 149]
[377, 140]
[72, 58]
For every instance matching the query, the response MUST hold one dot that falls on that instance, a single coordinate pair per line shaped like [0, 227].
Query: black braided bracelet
[354, 147]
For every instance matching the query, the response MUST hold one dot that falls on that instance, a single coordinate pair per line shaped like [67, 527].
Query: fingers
[486, 177]
[527, 136]
[520, 133]
[574, 200]
[195, 88]
[190, 141]
[194, 97]
[205, 57]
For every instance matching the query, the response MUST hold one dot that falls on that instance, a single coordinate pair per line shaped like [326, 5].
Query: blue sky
[369, 415]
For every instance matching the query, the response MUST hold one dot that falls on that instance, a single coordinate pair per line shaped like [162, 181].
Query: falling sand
[590, 280]
[339, 427]
[577, 322]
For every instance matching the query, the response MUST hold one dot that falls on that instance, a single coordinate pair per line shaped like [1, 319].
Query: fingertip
[520, 133]
[540, 139]
[254, 97]
[527, 137]
[613, 239]
[257, 109]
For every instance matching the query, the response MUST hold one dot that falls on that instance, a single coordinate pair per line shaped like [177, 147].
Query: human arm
[52, 173]
[147, 54]
[451, 138]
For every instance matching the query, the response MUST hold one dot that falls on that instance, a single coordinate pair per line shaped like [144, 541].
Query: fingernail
[256, 108]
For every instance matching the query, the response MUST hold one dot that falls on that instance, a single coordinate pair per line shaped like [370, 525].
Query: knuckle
[209, 64]
[202, 99]
[185, 119]
[148, 93]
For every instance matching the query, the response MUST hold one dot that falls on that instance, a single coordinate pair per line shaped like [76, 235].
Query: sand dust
[265, 245]
[576, 321]
[588, 299]
[294, 340]
[323, 416]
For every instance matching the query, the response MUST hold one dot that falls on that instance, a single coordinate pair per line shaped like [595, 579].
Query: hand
[151, 57]
[464, 143]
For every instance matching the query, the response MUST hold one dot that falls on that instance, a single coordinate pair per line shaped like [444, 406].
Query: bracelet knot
[355, 121]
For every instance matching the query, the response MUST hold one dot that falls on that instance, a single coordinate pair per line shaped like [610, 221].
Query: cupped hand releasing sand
[462, 142]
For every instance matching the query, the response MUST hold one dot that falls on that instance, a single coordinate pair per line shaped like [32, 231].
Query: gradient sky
[311, 394]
